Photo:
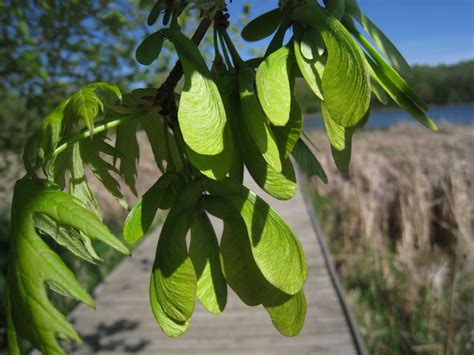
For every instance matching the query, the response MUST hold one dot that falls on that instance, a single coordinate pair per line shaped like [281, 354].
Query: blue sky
[425, 31]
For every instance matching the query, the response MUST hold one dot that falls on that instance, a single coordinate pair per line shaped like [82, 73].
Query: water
[460, 115]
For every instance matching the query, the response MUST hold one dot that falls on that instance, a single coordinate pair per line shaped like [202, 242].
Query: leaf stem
[97, 129]
[230, 46]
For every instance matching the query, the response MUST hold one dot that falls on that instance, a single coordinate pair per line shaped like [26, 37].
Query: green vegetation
[400, 231]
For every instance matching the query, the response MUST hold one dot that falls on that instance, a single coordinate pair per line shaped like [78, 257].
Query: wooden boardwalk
[123, 322]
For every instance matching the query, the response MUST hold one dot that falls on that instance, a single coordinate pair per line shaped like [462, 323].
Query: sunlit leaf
[287, 136]
[173, 272]
[201, 112]
[33, 266]
[255, 120]
[160, 195]
[276, 250]
[275, 82]
[346, 81]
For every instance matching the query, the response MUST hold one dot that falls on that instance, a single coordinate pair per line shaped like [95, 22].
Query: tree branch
[166, 89]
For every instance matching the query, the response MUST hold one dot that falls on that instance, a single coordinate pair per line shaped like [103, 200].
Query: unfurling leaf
[275, 82]
[204, 253]
[201, 113]
[33, 266]
[346, 81]
[126, 144]
[262, 26]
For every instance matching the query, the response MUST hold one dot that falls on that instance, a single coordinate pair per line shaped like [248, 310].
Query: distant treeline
[436, 85]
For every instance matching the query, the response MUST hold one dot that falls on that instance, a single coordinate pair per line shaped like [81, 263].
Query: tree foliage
[233, 116]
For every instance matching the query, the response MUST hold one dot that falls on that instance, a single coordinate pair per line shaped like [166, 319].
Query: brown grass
[408, 201]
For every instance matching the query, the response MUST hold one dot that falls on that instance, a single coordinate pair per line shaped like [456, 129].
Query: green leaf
[160, 195]
[311, 43]
[262, 26]
[276, 250]
[378, 91]
[334, 131]
[85, 105]
[67, 237]
[287, 136]
[255, 120]
[380, 39]
[126, 144]
[149, 50]
[342, 158]
[170, 326]
[33, 265]
[91, 151]
[204, 253]
[154, 13]
[50, 130]
[201, 113]
[388, 72]
[244, 277]
[155, 128]
[346, 81]
[214, 166]
[336, 8]
[308, 162]
[288, 317]
[281, 185]
[275, 82]
[173, 272]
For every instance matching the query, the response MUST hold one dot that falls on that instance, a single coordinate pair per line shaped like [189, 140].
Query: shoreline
[315, 115]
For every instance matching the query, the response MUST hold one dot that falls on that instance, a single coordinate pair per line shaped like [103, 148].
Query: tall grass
[401, 230]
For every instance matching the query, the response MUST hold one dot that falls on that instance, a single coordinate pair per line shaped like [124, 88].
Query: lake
[460, 115]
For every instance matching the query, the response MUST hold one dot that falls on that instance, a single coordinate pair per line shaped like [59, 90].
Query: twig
[166, 89]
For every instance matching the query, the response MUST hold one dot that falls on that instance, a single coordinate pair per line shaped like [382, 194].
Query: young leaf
[201, 112]
[262, 26]
[276, 250]
[85, 105]
[275, 82]
[160, 195]
[30, 313]
[308, 162]
[173, 272]
[255, 119]
[346, 82]
[149, 50]
[67, 237]
[204, 253]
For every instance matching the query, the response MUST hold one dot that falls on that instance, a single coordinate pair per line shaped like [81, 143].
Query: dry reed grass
[405, 217]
